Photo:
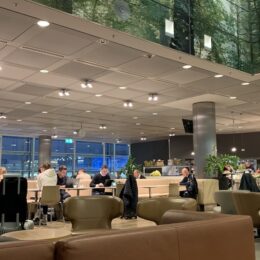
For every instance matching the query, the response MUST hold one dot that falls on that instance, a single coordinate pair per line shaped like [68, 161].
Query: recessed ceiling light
[153, 97]
[98, 95]
[19, 120]
[86, 84]
[128, 103]
[88, 111]
[186, 67]
[75, 132]
[192, 153]
[240, 127]
[232, 97]
[245, 83]
[122, 88]
[1, 68]
[102, 127]
[172, 134]
[44, 130]
[44, 112]
[27, 103]
[155, 114]
[218, 76]
[44, 71]
[135, 117]
[43, 24]
[143, 138]
[138, 123]
[172, 128]
[54, 136]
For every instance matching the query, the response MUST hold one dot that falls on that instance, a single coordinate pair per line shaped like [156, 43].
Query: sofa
[222, 237]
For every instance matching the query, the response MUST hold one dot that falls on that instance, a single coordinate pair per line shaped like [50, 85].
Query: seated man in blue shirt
[100, 180]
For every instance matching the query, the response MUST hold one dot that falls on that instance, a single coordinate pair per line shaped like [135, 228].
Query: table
[36, 193]
[113, 188]
[151, 187]
[38, 234]
[77, 189]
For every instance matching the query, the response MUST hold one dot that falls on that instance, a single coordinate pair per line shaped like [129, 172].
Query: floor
[133, 223]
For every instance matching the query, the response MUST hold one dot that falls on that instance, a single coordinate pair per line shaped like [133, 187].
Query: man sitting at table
[190, 182]
[101, 179]
[64, 182]
[137, 174]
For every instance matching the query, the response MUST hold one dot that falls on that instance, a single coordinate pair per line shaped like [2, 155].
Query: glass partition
[224, 31]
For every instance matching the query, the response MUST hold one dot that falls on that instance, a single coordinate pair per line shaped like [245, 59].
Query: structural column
[204, 134]
[44, 149]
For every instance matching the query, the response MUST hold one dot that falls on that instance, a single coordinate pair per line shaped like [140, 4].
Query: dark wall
[181, 146]
[150, 150]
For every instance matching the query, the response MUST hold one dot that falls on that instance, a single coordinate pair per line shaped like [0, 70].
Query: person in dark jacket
[100, 180]
[190, 182]
[129, 195]
[64, 182]
[248, 182]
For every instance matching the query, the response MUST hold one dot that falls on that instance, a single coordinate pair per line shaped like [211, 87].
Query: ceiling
[72, 55]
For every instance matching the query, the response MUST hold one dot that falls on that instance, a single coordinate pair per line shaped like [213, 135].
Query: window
[121, 155]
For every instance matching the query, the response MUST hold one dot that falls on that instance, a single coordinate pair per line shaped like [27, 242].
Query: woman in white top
[82, 174]
[47, 177]
[2, 172]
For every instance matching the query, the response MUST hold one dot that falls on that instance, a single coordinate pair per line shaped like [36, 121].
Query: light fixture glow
[64, 92]
[245, 83]
[122, 88]
[86, 84]
[143, 138]
[138, 124]
[172, 134]
[44, 112]
[1, 68]
[233, 97]
[135, 117]
[155, 114]
[218, 76]
[3, 116]
[128, 103]
[98, 95]
[102, 127]
[186, 67]
[43, 24]
[243, 149]
[192, 153]
[27, 103]
[54, 136]
[19, 120]
[75, 132]
[153, 97]
[44, 71]
[233, 149]
[88, 111]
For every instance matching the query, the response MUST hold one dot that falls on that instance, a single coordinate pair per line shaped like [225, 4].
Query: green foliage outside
[130, 166]
[215, 164]
[234, 25]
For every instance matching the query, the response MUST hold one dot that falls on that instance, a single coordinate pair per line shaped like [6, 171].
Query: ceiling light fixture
[44, 71]
[143, 138]
[128, 103]
[44, 112]
[153, 97]
[172, 134]
[43, 24]
[3, 116]
[102, 127]
[137, 123]
[27, 103]
[155, 114]
[88, 111]
[192, 153]
[232, 97]
[86, 84]
[98, 95]
[122, 88]
[186, 67]
[54, 136]
[172, 128]
[245, 83]
[19, 120]
[135, 117]
[1, 68]
[64, 92]
[118, 140]
[75, 132]
[218, 76]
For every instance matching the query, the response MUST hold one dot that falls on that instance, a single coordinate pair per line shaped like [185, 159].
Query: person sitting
[46, 177]
[2, 172]
[137, 174]
[82, 174]
[64, 182]
[100, 180]
[224, 179]
[190, 182]
[249, 167]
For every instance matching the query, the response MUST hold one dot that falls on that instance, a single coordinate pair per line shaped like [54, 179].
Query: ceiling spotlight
[155, 114]
[192, 153]
[19, 120]
[153, 97]
[143, 138]
[135, 117]
[102, 127]
[88, 111]
[3, 116]
[118, 140]
[44, 71]
[98, 95]
[233, 149]
[54, 136]
[86, 84]
[243, 149]
[245, 83]
[172, 134]
[64, 92]
[1, 68]
[232, 97]
[122, 88]
[75, 132]
[44, 112]
[27, 103]
[186, 67]
[137, 123]
[128, 103]
[43, 24]
[218, 76]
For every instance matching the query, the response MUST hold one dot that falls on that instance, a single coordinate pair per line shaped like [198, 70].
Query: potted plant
[215, 164]
[130, 166]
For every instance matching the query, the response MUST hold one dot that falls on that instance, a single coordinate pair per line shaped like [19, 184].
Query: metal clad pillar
[44, 149]
[204, 134]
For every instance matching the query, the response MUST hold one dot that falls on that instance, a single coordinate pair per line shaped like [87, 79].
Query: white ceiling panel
[118, 79]
[81, 106]
[60, 40]
[79, 70]
[180, 93]
[186, 76]
[150, 85]
[109, 55]
[20, 113]
[50, 79]
[4, 83]
[49, 101]
[150, 67]
[13, 24]
[15, 96]
[123, 94]
[103, 101]
[30, 59]
[15, 72]
[237, 91]
[34, 90]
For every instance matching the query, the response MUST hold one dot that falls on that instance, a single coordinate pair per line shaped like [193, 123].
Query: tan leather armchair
[248, 203]
[95, 212]
[153, 209]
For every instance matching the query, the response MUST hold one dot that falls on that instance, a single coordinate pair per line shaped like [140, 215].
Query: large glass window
[121, 155]
[17, 155]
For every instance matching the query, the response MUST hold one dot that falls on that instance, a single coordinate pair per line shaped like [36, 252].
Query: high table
[77, 189]
[36, 193]
[38, 234]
